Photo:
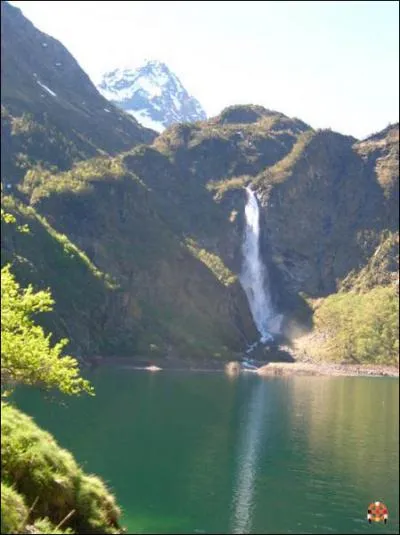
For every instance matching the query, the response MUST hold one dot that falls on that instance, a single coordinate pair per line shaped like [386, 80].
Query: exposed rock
[232, 368]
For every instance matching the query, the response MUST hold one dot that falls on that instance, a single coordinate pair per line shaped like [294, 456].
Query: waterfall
[254, 276]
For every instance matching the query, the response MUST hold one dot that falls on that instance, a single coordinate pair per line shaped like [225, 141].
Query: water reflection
[186, 452]
[354, 426]
[352, 437]
[250, 441]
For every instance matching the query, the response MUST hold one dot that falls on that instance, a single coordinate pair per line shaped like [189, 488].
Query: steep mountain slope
[324, 208]
[380, 153]
[46, 258]
[241, 140]
[51, 111]
[189, 166]
[152, 94]
[325, 198]
[163, 223]
[324, 212]
[167, 297]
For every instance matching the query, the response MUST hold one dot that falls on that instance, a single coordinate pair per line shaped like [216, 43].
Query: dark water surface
[205, 453]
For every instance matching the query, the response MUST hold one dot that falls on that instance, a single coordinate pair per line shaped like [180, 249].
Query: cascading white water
[254, 276]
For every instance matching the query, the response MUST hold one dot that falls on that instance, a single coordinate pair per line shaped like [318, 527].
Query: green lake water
[205, 453]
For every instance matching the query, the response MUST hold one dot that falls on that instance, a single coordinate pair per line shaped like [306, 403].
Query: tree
[28, 357]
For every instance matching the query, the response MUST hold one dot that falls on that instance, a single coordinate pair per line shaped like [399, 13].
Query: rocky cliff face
[380, 155]
[326, 198]
[152, 94]
[323, 215]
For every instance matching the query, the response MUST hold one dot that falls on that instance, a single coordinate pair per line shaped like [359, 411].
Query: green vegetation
[26, 352]
[223, 186]
[246, 114]
[35, 471]
[105, 319]
[361, 321]
[16, 518]
[47, 476]
[242, 139]
[29, 141]
[43, 525]
[14, 512]
[47, 258]
[109, 237]
[27, 213]
[386, 165]
[382, 268]
[212, 261]
[39, 183]
[283, 169]
[360, 327]
[188, 337]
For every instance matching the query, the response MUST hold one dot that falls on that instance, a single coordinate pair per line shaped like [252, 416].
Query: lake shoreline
[327, 369]
[298, 367]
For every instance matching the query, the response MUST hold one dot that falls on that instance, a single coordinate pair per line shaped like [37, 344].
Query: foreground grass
[37, 472]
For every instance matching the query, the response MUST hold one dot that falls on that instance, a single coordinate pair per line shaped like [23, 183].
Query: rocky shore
[324, 368]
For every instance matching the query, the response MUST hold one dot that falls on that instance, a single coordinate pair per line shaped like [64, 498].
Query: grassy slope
[47, 258]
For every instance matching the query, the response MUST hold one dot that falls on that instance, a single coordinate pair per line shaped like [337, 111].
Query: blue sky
[332, 64]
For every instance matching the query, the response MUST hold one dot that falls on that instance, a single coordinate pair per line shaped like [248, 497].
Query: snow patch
[142, 117]
[152, 88]
[47, 89]
[152, 94]
[177, 103]
[107, 110]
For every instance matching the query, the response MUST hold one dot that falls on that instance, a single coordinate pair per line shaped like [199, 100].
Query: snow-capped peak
[151, 93]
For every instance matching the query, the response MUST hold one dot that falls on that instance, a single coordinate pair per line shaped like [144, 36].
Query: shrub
[361, 327]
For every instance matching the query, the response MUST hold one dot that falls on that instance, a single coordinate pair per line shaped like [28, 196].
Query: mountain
[325, 198]
[51, 111]
[62, 145]
[139, 238]
[151, 227]
[152, 94]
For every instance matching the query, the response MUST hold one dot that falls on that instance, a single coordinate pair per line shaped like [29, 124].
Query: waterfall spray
[254, 277]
